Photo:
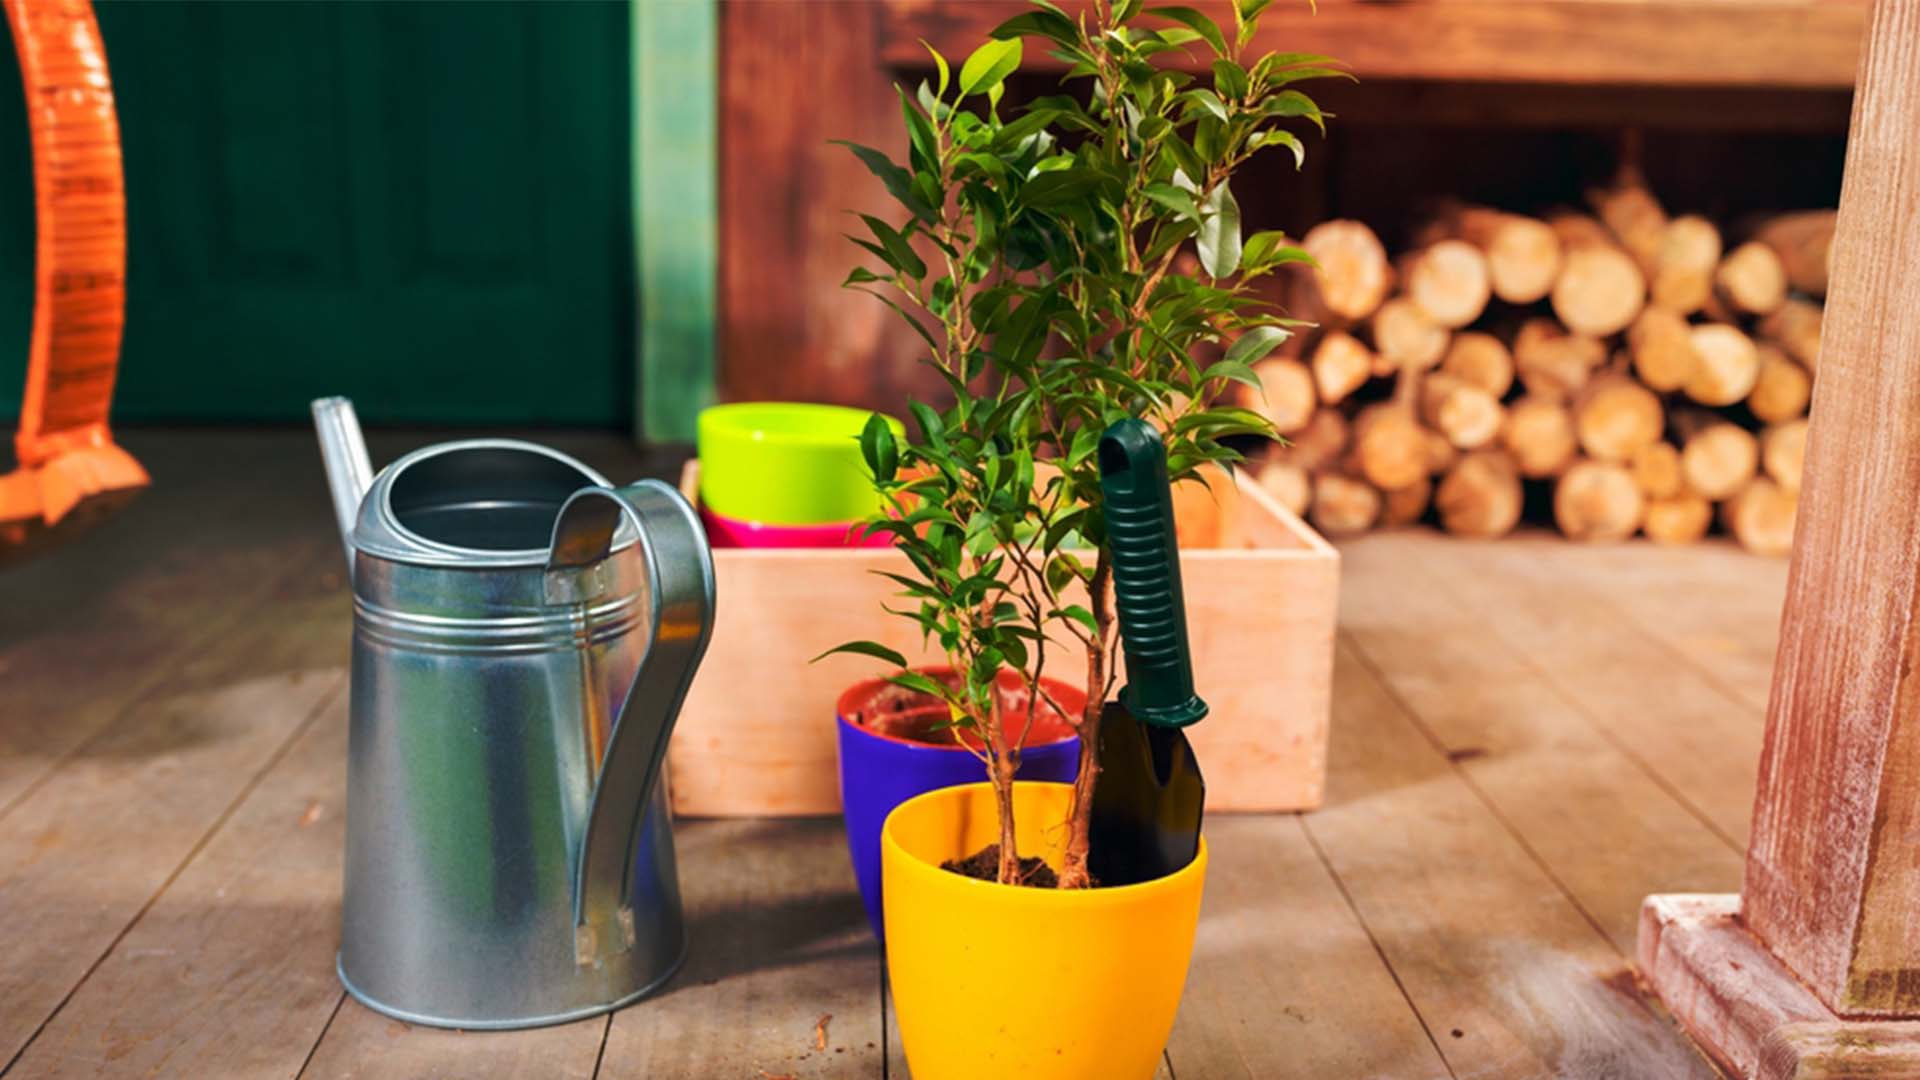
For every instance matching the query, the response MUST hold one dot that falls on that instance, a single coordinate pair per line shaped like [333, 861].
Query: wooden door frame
[675, 86]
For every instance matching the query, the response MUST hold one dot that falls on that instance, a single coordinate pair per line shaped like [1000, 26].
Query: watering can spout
[349, 472]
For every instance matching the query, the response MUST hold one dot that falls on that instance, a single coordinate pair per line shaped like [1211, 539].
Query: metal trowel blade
[1147, 803]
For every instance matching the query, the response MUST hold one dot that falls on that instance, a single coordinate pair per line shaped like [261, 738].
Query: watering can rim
[362, 499]
[379, 532]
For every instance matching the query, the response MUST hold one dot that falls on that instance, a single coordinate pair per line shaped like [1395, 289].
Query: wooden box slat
[756, 736]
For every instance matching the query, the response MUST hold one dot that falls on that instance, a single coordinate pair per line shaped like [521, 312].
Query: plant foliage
[1035, 256]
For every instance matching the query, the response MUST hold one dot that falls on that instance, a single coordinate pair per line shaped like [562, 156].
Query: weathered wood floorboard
[88, 631]
[1511, 978]
[362, 1044]
[230, 971]
[117, 819]
[1283, 973]
[1701, 742]
[1599, 822]
[779, 942]
[1714, 605]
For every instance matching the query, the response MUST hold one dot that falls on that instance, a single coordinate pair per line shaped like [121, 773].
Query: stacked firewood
[1643, 369]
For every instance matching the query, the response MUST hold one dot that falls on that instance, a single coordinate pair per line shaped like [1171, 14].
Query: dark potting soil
[984, 865]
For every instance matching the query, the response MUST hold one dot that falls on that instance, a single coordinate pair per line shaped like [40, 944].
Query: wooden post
[1832, 884]
[1825, 934]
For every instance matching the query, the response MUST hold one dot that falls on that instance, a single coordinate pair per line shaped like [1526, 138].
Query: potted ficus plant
[1034, 256]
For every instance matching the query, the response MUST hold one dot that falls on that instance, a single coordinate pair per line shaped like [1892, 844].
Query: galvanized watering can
[523, 636]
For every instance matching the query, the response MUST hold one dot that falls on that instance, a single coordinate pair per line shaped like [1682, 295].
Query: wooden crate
[756, 736]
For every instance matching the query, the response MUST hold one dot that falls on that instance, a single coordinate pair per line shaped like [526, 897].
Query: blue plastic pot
[879, 770]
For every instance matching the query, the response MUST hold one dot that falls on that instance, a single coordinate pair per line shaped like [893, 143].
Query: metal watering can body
[523, 637]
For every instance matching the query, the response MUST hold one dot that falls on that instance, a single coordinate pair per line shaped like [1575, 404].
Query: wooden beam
[1831, 882]
[796, 76]
[675, 87]
[1762, 43]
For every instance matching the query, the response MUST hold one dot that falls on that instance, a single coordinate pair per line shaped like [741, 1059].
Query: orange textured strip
[80, 204]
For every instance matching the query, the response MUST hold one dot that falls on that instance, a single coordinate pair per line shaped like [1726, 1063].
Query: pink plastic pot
[726, 532]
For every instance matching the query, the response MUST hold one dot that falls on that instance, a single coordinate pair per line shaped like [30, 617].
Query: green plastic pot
[786, 463]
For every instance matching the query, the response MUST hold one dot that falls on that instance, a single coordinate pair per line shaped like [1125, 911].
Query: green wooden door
[424, 206]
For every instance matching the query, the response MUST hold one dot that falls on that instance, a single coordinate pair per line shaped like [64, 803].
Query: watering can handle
[679, 575]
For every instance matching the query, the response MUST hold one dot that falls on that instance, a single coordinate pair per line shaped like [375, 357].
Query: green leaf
[1287, 139]
[1205, 101]
[1080, 615]
[878, 450]
[1059, 186]
[940, 65]
[1042, 23]
[865, 648]
[1268, 249]
[900, 254]
[1219, 239]
[1173, 198]
[1230, 79]
[1255, 344]
[989, 65]
[913, 680]
[931, 427]
[925, 157]
[1232, 370]
[1294, 103]
[898, 181]
[1196, 22]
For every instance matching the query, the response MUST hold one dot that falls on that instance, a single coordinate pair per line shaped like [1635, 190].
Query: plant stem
[1002, 776]
[1073, 861]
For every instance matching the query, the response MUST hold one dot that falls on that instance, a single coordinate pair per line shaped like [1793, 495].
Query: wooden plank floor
[1528, 736]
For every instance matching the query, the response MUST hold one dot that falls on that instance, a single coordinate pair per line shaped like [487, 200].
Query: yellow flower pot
[995, 980]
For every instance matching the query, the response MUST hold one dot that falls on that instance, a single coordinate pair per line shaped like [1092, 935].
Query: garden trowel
[1148, 800]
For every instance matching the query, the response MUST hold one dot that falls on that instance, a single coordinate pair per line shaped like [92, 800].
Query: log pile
[1641, 370]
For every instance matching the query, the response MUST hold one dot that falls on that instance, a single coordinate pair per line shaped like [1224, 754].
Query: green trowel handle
[1146, 576]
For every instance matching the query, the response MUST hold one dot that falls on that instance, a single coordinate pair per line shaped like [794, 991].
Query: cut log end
[1448, 282]
[1782, 388]
[1286, 397]
[1407, 505]
[1343, 506]
[1661, 344]
[1656, 469]
[1290, 485]
[1751, 279]
[1480, 496]
[1390, 446]
[1481, 360]
[1719, 460]
[1317, 445]
[1341, 365]
[1468, 416]
[1783, 449]
[1353, 276]
[1539, 434]
[1615, 417]
[1599, 291]
[1682, 278]
[1597, 501]
[1406, 338]
[1680, 519]
[1761, 516]
[1727, 365]
[1553, 363]
[1523, 254]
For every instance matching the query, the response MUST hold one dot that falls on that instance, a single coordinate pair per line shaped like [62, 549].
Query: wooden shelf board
[1762, 43]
